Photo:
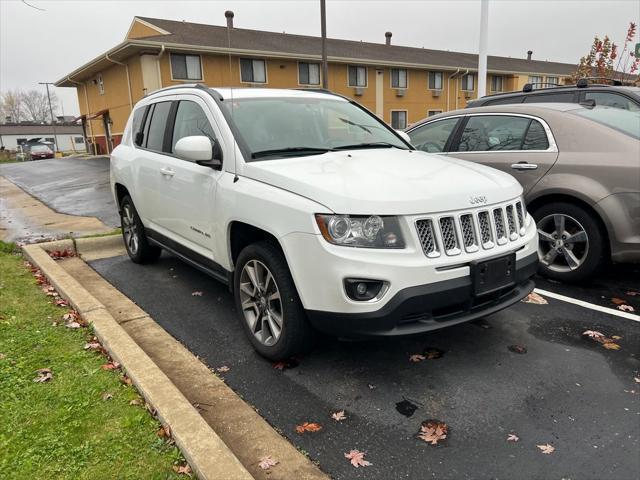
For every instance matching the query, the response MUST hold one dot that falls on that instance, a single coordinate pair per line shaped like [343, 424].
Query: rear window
[558, 97]
[625, 121]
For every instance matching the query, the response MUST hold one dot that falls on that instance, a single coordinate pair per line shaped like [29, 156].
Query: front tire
[268, 304]
[135, 239]
[571, 244]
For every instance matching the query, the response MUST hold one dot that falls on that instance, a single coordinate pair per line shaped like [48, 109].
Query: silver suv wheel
[563, 243]
[130, 229]
[261, 303]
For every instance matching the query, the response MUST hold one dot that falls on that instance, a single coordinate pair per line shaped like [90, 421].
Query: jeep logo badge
[477, 199]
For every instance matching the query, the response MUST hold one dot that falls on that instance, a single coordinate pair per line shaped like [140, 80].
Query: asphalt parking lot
[566, 390]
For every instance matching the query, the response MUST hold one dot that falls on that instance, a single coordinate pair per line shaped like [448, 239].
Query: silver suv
[579, 167]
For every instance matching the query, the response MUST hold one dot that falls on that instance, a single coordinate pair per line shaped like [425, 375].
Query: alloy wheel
[563, 243]
[130, 229]
[261, 302]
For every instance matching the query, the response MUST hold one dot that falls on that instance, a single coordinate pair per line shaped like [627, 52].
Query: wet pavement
[527, 370]
[75, 186]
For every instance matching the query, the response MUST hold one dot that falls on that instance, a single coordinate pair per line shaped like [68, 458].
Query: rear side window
[607, 99]
[432, 137]
[558, 97]
[136, 126]
[190, 121]
[493, 132]
[156, 125]
[505, 101]
[536, 138]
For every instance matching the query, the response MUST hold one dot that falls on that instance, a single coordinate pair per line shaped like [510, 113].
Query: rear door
[520, 145]
[186, 189]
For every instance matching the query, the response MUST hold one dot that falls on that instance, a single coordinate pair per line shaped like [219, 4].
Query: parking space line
[592, 306]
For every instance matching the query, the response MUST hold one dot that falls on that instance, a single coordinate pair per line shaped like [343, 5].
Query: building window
[399, 119]
[536, 81]
[50, 139]
[253, 71]
[468, 82]
[398, 78]
[21, 141]
[78, 140]
[435, 80]
[497, 83]
[552, 81]
[357, 76]
[308, 73]
[185, 67]
[100, 83]
[431, 113]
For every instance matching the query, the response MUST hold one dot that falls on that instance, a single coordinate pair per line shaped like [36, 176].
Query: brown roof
[213, 36]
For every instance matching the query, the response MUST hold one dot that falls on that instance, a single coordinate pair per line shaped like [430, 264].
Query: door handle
[167, 171]
[524, 166]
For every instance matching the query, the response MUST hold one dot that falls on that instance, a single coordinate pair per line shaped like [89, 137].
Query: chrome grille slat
[470, 231]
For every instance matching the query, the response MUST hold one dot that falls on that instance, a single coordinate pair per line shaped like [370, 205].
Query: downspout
[158, 57]
[449, 86]
[126, 68]
[86, 101]
[457, 86]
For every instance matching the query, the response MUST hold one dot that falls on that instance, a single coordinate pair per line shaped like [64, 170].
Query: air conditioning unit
[436, 93]
[400, 92]
[358, 91]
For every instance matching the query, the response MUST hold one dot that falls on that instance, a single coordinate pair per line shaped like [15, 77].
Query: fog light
[362, 290]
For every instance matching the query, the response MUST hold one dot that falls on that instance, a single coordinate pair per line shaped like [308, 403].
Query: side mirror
[138, 138]
[216, 160]
[404, 136]
[198, 149]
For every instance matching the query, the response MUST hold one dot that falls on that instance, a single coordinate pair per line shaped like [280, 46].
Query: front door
[520, 145]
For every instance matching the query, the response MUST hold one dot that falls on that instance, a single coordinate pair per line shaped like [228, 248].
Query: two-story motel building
[400, 84]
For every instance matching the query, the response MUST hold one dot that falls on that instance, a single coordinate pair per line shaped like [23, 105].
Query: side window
[558, 97]
[493, 132]
[190, 120]
[136, 126]
[536, 138]
[156, 126]
[606, 99]
[432, 137]
[505, 101]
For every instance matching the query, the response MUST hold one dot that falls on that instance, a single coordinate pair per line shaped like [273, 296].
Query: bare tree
[36, 105]
[11, 106]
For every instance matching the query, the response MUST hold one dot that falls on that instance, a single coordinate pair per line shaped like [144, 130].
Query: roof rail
[584, 81]
[200, 86]
[528, 87]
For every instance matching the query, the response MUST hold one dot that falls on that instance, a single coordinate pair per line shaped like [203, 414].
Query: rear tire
[135, 239]
[571, 246]
[268, 304]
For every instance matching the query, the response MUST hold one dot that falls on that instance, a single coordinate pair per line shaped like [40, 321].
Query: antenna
[229, 16]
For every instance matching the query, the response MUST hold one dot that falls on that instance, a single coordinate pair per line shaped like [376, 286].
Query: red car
[38, 152]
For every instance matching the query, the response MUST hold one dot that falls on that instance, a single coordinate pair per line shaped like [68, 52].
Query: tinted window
[493, 132]
[157, 125]
[185, 67]
[607, 99]
[190, 120]
[433, 137]
[536, 138]
[136, 124]
[505, 101]
[558, 97]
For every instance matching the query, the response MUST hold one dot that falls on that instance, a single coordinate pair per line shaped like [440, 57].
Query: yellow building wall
[139, 30]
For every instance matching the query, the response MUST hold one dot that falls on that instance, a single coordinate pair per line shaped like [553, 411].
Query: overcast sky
[37, 46]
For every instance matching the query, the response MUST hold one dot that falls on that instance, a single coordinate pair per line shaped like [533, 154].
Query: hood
[386, 181]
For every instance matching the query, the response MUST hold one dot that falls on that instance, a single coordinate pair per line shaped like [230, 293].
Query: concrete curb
[92, 248]
[206, 453]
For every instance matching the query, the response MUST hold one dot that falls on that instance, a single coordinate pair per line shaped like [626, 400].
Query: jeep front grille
[470, 231]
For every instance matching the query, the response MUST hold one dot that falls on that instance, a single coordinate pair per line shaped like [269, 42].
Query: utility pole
[53, 123]
[482, 54]
[323, 29]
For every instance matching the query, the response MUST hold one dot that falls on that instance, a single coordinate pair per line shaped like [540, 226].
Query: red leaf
[357, 458]
[308, 427]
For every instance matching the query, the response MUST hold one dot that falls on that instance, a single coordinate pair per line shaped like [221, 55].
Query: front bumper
[427, 307]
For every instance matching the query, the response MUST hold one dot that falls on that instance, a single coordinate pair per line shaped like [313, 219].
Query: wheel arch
[120, 192]
[241, 234]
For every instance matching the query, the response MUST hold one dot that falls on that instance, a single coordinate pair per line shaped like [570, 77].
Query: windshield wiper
[289, 150]
[368, 145]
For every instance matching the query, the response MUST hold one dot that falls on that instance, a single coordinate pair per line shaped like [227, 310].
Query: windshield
[281, 126]
[39, 148]
[625, 121]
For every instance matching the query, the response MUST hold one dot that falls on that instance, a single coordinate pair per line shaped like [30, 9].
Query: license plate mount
[494, 274]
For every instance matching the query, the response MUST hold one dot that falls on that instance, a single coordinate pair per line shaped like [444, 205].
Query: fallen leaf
[339, 416]
[512, 437]
[308, 427]
[182, 470]
[371, 386]
[535, 299]
[546, 449]
[636, 379]
[126, 380]
[61, 302]
[433, 431]
[617, 301]
[616, 337]
[611, 346]
[416, 357]
[285, 364]
[196, 294]
[433, 353]
[136, 401]
[44, 375]
[223, 369]
[520, 349]
[72, 315]
[107, 396]
[72, 325]
[593, 334]
[92, 346]
[164, 432]
[626, 308]
[111, 366]
[58, 254]
[357, 458]
[267, 462]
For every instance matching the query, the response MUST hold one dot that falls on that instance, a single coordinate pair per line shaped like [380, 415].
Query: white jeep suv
[318, 215]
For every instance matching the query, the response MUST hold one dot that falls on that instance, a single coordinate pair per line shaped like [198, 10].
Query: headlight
[370, 231]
